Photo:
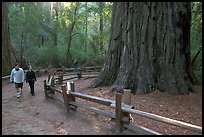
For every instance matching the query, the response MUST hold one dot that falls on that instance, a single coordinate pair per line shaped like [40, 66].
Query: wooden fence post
[70, 88]
[61, 78]
[79, 75]
[45, 89]
[65, 97]
[52, 85]
[126, 99]
[118, 113]
[48, 78]
[63, 70]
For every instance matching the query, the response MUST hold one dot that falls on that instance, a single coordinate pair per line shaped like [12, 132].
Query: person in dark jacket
[31, 78]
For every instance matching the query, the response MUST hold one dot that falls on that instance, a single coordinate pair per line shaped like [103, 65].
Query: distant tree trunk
[86, 28]
[53, 30]
[22, 50]
[55, 24]
[6, 45]
[101, 6]
[149, 48]
[70, 34]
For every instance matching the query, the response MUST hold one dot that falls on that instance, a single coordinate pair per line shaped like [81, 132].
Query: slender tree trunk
[149, 48]
[56, 24]
[70, 34]
[86, 29]
[21, 50]
[101, 6]
[53, 30]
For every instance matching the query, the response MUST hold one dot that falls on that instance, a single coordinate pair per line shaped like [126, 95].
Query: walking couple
[17, 76]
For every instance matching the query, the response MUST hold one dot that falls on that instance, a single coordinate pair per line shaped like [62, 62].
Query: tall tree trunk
[86, 28]
[149, 48]
[6, 45]
[101, 6]
[55, 24]
[21, 49]
[70, 34]
[53, 30]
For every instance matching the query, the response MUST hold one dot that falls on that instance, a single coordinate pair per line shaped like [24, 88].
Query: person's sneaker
[21, 93]
[33, 94]
[18, 95]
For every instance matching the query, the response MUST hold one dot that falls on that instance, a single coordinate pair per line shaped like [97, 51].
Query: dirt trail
[35, 115]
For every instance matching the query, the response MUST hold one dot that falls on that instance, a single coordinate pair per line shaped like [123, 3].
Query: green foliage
[6, 70]
[197, 66]
[88, 58]
[196, 37]
[44, 57]
[33, 20]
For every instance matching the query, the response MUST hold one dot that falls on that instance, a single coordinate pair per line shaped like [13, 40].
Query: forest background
[53, 34]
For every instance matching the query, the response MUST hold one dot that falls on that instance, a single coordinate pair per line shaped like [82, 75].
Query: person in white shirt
[17, 76]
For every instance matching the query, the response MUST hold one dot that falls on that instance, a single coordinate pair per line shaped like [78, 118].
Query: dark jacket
[30, 75]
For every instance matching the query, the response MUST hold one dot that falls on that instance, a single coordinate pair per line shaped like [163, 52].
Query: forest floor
[35, 115]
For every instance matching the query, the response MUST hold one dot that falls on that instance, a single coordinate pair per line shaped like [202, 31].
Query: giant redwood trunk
[149, 48]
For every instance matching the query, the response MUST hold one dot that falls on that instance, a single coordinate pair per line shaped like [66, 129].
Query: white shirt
[18, 76]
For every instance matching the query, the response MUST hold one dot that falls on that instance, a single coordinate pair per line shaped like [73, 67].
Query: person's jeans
[31, 84]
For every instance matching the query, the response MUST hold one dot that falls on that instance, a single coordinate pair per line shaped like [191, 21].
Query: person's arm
[22, 75]
[11, 76]
[26, 76]
[34, 76]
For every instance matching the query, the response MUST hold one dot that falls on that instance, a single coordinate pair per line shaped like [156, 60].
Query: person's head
[17, 66]
[30, 67]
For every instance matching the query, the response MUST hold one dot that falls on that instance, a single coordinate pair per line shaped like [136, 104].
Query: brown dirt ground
[35, 115]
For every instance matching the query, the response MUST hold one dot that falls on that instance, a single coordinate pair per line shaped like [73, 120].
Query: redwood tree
[149, 48]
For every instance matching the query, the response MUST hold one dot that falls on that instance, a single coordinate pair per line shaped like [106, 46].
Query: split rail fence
[122, 106]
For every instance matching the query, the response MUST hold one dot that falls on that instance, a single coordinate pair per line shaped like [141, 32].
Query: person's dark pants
[31, 84]
[19, 85]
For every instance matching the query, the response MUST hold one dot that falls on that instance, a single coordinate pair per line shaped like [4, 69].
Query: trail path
[35, 115]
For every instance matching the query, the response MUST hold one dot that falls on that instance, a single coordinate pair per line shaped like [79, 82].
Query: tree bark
[6, 45]
[86, 28]
[56, 24]
[70, 34]
[149, 48]
[101, 6]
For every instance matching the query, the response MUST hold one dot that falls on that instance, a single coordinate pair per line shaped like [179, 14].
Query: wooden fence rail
[59, 70]
[85, 69]
[122, 107]
[163, 119]
[8, 77]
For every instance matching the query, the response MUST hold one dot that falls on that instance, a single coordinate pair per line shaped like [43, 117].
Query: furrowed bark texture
[149, 48]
